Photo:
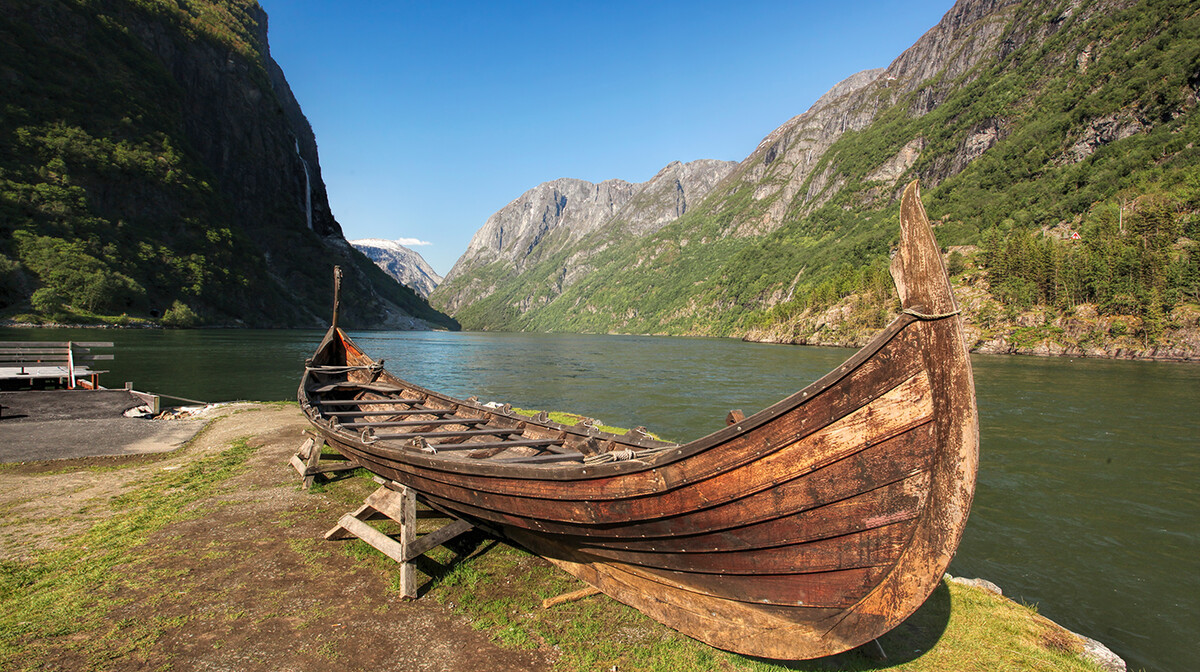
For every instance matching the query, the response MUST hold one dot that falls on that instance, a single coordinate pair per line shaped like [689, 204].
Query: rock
[995, 346]
[1099, 654]
[1085, 311]
[1103, 130]
[894, 168]
[976, 583]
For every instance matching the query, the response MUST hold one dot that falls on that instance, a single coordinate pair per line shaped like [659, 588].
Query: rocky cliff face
[407, 266]
[567, 206]
[248, 128]
[193, 176]
[789, 171]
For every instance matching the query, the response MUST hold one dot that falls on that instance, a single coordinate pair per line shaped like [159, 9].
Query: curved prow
[917, 268]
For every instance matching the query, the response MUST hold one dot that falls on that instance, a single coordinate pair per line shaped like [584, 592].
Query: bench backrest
[72, 355]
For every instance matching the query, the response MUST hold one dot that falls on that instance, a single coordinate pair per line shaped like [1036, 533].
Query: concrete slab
[63, 424]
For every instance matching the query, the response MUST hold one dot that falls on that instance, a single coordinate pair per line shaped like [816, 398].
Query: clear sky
[430, 116]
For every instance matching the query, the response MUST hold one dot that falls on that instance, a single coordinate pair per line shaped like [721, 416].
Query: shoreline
[1093, 651]
[1002, 348]
[998, 346]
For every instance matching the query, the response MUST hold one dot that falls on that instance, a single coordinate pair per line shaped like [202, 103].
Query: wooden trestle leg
[398, 503]
[307, 462]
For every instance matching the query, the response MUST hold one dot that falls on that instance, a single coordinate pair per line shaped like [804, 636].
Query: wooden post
[408, 534]
[312, 461]
[307, 462]
[70, 366]
[399, 503]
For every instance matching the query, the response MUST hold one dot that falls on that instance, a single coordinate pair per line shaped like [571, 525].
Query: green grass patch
[59, 598]
[959, 627]
[565, 418]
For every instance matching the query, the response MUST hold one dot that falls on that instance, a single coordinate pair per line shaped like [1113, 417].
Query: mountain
[155, 164]
[556, 216]
[1040, 130]
[407, 266]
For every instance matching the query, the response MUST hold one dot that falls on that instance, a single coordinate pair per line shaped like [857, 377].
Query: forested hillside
[1056, 143]
[154, 165]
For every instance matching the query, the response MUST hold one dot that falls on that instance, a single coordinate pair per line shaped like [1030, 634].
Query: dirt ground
[249, 582]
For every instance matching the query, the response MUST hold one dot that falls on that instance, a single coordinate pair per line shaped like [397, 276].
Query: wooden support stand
[398, 503]
[307, 462]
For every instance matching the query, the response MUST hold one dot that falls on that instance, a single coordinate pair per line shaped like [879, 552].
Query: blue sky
[430, 116]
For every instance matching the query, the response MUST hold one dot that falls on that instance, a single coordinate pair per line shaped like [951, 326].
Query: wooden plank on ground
[570, 597]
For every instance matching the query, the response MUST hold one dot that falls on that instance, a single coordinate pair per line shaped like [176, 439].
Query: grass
[59, 598]
[959, 627]
[569, 419]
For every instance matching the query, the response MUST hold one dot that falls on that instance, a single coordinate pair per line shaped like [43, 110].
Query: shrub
[47, 301]
[956, 263]
[179, 315]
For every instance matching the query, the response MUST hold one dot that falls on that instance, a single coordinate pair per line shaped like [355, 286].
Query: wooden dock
[50, 364]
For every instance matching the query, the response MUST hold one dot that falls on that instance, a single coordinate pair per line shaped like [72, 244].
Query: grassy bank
[959, 628]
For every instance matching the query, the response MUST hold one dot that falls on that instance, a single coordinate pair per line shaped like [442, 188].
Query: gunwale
[563, 472]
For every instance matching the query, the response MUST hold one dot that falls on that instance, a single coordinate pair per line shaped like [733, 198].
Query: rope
[930, 316]
[622, 455]
[374, 368]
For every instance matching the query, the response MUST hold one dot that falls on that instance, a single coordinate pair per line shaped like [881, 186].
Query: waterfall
[307, 186]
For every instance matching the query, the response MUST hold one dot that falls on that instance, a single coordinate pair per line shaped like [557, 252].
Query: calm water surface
[1088, 502]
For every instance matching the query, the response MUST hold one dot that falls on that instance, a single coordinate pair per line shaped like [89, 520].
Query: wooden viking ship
[806, 529]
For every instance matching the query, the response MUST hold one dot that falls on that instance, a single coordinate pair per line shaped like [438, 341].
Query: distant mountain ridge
[406, 265]
[557, 214]
[1017, 118]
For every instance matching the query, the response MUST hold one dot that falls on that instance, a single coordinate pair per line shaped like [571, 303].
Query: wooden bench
[60, 363]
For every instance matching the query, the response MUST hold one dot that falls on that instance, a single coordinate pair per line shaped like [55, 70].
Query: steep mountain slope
[154, 162]
[406, 266]
[555, 216]
[1018, 117]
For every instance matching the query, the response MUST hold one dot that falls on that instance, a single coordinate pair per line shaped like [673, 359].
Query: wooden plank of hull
[817, 469]
[890, 415]
[896, 362]
[891, 503]
[871, 547]
[881, 464]
[762, 630]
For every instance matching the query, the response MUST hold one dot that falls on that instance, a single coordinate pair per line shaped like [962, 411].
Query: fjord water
[1088, 500]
